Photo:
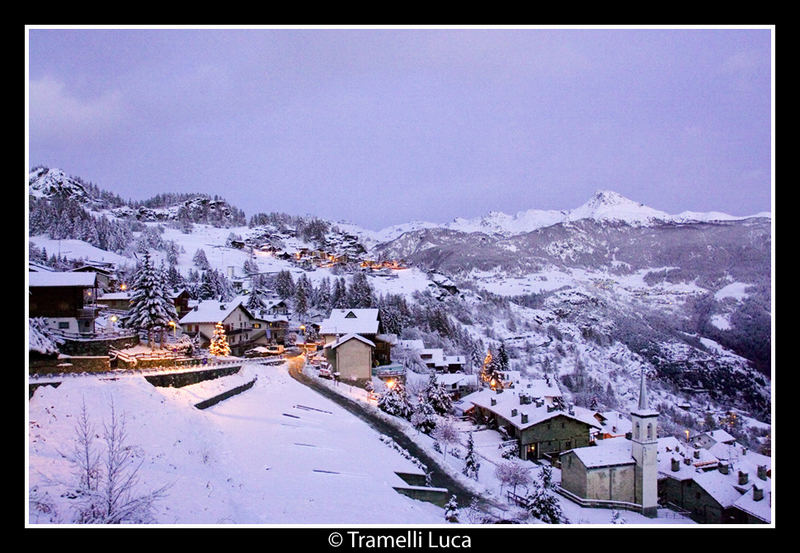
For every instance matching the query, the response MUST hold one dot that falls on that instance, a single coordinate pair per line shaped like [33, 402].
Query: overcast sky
[383, 126]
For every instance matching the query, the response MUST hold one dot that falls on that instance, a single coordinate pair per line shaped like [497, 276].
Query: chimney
[744, 451]
[696, 453]
[762, 472]
[524, 418]
[758, 493]
[687, 461]
[676, 465]
[493, 401]
[513, 412]
[724, 468]
[742, 478]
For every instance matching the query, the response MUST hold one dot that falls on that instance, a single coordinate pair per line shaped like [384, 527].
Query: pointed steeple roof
[643, 394]
[643, 408]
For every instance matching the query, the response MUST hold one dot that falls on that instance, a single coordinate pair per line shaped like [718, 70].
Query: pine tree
[339, 295]
[424, 417]
[284, 284]
[200, 260]
[394, 401]
[219, 343]
[438, 396]
[360, 294]
[152, 308]
[542, 501]
[302, 293]
[471, 463]
[451, 510]
[323, 297]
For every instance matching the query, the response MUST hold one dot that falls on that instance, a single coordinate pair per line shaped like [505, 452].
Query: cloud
[55, 115]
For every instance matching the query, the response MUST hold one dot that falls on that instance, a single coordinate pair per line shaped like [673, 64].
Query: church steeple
[644, 450]
[643, 394]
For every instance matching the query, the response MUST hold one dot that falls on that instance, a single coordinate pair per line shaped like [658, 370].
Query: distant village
[607, 459]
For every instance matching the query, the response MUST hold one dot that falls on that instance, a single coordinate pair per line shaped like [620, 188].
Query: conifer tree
[219, 343]
[394, 401]
[438, 396]
[424, 417]
[471, 463]
[152, 308]
[451, 510]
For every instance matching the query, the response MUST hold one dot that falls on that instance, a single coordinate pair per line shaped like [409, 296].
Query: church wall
[614, 483]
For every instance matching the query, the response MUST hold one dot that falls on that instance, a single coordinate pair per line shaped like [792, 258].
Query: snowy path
[302, 459]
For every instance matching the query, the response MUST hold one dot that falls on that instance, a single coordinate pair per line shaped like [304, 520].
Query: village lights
[123, 286]
[390, 384]
[174, 328]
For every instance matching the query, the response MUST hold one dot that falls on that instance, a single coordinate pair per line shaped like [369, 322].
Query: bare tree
[513, 474]
[446, 434]
[108, 486]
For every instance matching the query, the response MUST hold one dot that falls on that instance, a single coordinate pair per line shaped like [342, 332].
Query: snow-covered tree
[107, 483]
[438, 397]
[542, 500]
[302, 295]
[360, 294]
[471, 464]
[151, 305]
[339, 294]
[394, 401]
[41, 338]
[284, 284]
[322, 298]
[200, 260]
[424, 416]
[219, 343]
[451, 510]
[446, 434]
[514, 474]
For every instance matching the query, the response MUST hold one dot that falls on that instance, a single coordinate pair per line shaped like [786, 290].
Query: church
[617, 472]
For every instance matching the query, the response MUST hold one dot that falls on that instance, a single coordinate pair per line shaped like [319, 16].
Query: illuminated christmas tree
[219, 343]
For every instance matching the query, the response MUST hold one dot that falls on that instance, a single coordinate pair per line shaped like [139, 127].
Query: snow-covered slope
[276, 454]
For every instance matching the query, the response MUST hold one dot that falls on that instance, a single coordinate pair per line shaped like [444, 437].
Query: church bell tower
[644, 449]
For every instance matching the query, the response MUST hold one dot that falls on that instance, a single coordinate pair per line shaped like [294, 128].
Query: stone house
[541, 431]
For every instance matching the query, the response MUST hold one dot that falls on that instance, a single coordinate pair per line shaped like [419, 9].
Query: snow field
[264, 457]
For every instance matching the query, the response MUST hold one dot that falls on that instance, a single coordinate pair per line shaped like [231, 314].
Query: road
[439, 479]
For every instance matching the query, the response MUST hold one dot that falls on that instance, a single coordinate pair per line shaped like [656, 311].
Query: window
[63, 325]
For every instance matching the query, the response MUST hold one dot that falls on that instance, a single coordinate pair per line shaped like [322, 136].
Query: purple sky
[383, 126]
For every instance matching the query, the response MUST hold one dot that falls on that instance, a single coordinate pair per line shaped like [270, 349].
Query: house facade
[351, 356]
[64, 299]
[235, 318]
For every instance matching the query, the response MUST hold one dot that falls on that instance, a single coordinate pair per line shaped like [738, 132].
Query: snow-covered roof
[539, 387]
[719, 486]
[450, 379]
[411, 344]
[761, 508]
[721, 436]
[605, 453]
[509, 400]
[616, 423]
[82, 280]
[210, 311]
[350, 321]
[348, 337]
[115, 296]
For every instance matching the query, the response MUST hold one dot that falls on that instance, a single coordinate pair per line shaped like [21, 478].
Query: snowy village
[190, 364]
